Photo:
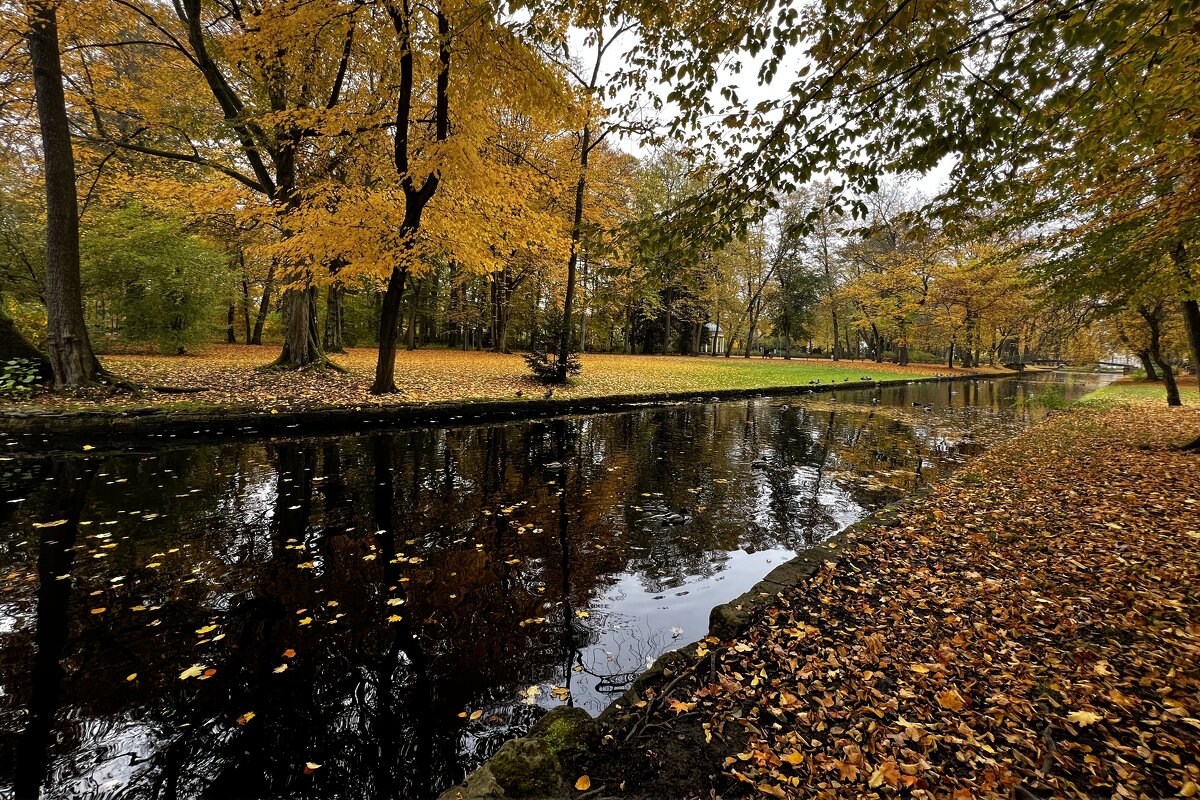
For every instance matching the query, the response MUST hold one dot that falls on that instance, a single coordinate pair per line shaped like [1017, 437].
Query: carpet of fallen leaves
[229, 376]
[1030, 629]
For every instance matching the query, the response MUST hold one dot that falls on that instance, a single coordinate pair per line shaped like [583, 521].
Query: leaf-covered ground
[1030, 629]
[230, 376]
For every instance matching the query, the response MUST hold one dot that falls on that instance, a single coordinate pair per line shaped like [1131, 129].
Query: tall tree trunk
[264, 305]
[666, 341]
[71, 356]
[246, 305]
[410, 337]
[230, 319]
[950, 355]
[389, 332]
[583, 308]
[564, 338]
[1147, 365]
[335, 299]
[1153, 315]
[415, 197]
[503, 310]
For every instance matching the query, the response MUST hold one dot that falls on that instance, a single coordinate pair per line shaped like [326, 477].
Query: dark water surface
[202, 622]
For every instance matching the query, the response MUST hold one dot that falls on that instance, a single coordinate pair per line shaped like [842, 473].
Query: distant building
[713, 340]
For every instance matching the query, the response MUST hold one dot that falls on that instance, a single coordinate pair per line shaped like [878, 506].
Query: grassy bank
[229, 377]
[1028, 629]
[1129, 391]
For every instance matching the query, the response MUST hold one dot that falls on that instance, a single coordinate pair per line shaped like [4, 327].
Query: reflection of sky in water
[438, 587]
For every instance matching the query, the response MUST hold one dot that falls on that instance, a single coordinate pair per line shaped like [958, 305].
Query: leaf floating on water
[131, 676]
[475, 715]
[395, 618]
[99, 610]
[306, 621]
[244, 718]
[584, 783]
[205, 629]
[87, 447]
[194, 671]
[51, 524]
[289, 653]
[310, 767]
[280, 668]
[306, 565]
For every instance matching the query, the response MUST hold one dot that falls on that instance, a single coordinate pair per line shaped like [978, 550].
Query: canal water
[372, 615]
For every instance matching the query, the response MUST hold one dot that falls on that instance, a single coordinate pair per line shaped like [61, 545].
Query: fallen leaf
[1084, 718]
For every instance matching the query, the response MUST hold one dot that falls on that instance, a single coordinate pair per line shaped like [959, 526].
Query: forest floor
[1029, 629]
[229, 376]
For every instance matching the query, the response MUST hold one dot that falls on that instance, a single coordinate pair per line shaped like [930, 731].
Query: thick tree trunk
[334, 319]
[301, 339]
[950, 356]
[71, 355]
[230, 319]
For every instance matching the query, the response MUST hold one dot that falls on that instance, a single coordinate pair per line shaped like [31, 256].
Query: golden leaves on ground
[230, 375]
[1031, 628]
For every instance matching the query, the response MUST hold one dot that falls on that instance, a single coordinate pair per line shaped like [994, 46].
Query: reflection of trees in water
[475, 530]
[70, 478]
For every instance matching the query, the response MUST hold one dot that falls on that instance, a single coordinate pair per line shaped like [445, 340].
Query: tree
[267, 81]
[70, 349]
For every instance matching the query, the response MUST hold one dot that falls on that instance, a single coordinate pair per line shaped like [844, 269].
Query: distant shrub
[544, 366]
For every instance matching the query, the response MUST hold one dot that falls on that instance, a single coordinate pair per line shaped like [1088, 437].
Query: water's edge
[539, 750]
[43, 431]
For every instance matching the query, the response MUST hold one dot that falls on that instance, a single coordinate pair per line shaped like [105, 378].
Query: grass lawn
[229, 376]
[1125, 391]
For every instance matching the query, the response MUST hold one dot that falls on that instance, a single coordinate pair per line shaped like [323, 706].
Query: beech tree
[70, 349]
